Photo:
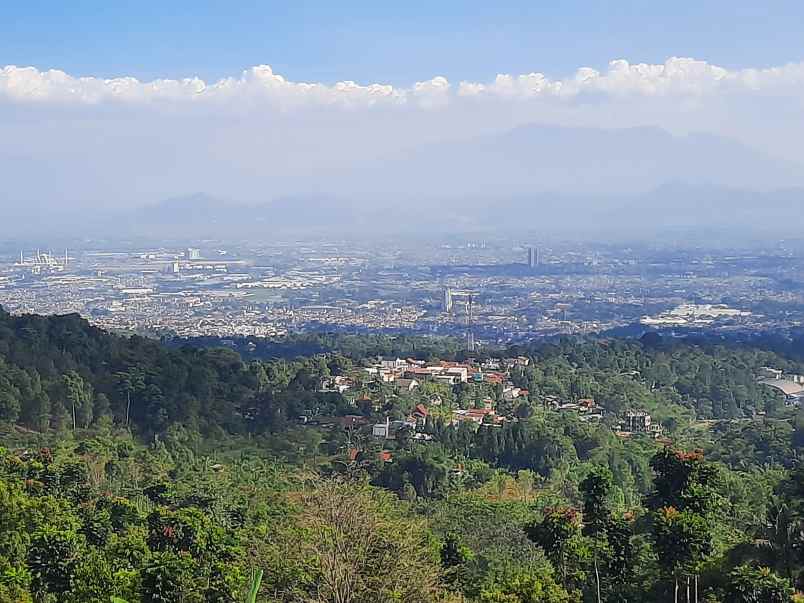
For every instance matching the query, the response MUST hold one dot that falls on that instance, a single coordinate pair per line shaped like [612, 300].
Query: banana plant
[256, 579]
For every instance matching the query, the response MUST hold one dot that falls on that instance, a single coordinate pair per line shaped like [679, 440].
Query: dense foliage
[175, 473]
[61, 372]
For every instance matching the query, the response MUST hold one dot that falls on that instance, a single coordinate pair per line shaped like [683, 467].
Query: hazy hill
[536, 177]
[578, 181]
[588, 161]
[675, 207]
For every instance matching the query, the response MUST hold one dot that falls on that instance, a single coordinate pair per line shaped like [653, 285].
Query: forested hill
[50, 365]
[353, 346]
[60, 371]
[560, 472]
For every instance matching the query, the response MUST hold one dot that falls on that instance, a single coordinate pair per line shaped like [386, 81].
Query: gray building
[533, 257]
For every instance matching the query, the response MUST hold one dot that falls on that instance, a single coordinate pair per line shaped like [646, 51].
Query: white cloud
[681, 77]
[257, 135]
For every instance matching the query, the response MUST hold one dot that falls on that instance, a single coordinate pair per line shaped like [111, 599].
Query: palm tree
[782, 534]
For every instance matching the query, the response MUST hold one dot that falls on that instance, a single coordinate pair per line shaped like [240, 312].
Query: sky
[116, 104]
[391, 42]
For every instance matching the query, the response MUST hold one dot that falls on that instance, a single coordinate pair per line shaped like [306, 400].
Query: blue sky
[394, 42]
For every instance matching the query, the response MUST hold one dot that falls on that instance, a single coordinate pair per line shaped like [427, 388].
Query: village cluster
[491, 398]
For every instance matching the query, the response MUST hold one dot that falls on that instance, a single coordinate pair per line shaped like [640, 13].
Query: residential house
[406, 385]
[639, 421]
[419, 415]
[510, 392]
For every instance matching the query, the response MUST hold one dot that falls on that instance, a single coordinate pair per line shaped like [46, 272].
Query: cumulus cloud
[257, 135]
[684, 77]
[259, 83]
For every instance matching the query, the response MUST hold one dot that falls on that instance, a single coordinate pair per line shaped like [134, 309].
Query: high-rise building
[533, 257]
[193, 253]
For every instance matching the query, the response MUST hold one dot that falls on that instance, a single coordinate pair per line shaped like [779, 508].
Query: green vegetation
[134, 471]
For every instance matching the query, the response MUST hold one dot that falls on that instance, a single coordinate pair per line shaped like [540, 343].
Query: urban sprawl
[483, 291]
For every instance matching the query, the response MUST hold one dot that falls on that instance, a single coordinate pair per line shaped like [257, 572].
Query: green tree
[749, 584]
[80, 396]
[684, 500]
[171, 578]
[102, 409]
[520, 587]
[454, 558]
[9, 406]
[559, 535]
[683, 539]
[130, 383]
[52, 559]
[596, 513]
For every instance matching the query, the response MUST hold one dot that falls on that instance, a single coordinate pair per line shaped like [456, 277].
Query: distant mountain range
[572, 181]
[579, 161]
[673, 208]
